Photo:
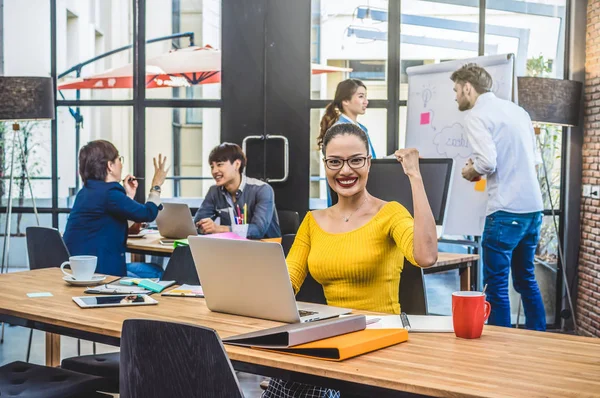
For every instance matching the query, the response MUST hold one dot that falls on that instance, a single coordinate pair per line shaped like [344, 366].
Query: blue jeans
[144, 270]
[509, 242]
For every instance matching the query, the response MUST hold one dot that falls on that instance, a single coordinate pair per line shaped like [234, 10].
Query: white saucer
[96, 279]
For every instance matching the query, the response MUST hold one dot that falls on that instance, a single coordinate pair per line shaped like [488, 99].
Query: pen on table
[373, 320]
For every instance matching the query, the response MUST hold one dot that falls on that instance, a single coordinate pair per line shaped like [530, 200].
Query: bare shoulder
[378, 204]
[375, 206]
[321, 215]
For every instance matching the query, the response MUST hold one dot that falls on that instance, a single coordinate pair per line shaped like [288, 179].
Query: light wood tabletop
[149, 243]
[502, 363]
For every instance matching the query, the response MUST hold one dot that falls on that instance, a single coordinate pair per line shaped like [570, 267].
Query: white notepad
[417, 323]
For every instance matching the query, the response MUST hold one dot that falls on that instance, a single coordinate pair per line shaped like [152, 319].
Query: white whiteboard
[435, 127]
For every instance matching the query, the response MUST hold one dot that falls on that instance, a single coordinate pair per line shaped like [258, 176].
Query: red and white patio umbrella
[177, 68]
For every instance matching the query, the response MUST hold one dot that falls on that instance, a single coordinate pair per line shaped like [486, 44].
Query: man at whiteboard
[501, 135]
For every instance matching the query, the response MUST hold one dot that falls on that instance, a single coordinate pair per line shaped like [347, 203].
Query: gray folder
[299, 333]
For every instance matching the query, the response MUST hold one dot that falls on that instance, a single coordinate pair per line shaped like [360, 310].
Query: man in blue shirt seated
[235, 193]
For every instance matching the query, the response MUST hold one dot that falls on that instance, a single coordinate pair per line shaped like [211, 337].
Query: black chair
[311, 291]
[413, 298]
[163, 359]
[286, 243]
[45, 249]
[103, 366]
[181, 267]
[26, 380]
[289, 221]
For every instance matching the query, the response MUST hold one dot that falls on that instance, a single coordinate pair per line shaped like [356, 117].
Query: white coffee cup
[82, 267]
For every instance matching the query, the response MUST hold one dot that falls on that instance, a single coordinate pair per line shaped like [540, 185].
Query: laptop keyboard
[304, 313]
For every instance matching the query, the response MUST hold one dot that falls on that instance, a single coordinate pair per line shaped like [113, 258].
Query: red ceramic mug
[469, 312]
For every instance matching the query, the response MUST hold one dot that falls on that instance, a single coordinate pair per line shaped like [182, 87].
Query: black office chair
[164, 359]
[26, 380]
[45, 249]
[286, 242]
[181, 267]
[412, 296]
[311, 291]
[103, 366]
[289, 221]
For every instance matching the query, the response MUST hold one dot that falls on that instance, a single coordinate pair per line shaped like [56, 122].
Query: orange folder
[347, 345]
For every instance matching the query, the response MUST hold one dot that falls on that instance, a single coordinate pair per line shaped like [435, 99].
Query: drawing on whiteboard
[426, 96]
[427, 92]
[452, 142]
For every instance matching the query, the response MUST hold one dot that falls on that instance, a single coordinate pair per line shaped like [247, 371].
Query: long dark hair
[344, 92]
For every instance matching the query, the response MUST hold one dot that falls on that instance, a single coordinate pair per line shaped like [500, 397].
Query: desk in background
[150, 245]
[503, 363]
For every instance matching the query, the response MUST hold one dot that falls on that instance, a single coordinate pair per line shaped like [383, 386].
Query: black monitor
[387, 181]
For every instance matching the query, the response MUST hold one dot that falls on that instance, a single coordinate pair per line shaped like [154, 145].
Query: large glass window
[196, 70]
[89, 30]
[28, 152]
[17, 254]
[186, 145]
[535, 32]
[433, 32]
[349, 40]
[111, 123]
[26, 52]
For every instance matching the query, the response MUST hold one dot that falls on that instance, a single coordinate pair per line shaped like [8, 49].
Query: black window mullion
[482, 7]
[89, 103]
[393, 76]
[54, 122]
[139, 94]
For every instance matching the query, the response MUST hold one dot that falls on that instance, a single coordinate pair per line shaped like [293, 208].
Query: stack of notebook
[333, 339]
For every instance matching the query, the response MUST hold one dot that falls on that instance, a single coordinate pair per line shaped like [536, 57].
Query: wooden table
[150, 244]
[503, 363]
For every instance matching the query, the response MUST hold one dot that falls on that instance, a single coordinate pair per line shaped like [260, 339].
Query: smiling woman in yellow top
[356, 249]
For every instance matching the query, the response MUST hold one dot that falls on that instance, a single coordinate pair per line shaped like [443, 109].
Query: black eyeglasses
[354, 163]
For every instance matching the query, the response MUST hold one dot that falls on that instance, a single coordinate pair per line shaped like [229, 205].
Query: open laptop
[250, 278]
[175, 221]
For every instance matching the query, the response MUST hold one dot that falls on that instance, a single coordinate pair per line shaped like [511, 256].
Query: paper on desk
[418, 323]
[117, 288]
[39, 294]
[186, 291]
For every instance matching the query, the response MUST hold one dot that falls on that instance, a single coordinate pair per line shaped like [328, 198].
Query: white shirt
[504, 148]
